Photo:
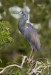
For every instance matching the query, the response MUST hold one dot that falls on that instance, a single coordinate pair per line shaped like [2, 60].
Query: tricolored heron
[29, 32]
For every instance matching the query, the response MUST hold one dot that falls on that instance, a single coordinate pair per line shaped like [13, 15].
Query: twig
[14, 65]
[38, 70]
[23, 60]
[35, 70]
[9, 67]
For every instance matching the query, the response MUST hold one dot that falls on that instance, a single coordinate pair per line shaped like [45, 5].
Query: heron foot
[29, 60]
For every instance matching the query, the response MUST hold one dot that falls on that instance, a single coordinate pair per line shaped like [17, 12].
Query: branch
[23, 60]
[9, 67]
[39, 69]
[14, 65]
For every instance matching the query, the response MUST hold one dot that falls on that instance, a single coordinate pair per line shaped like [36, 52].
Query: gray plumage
[29, 31]
[31, 35]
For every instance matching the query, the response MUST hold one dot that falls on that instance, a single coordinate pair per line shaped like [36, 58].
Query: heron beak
[15, 12]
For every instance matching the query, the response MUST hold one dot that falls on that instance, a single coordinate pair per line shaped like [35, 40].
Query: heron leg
[31, 55]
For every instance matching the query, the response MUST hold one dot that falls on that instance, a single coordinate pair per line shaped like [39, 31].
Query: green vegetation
[13, 44]
[4, 34]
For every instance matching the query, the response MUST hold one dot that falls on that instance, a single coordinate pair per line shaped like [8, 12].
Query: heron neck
[21, 21]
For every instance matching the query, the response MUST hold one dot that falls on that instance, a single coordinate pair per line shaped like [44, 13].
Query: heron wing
[32, 36]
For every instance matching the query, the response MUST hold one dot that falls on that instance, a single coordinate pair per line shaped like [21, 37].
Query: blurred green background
[16, 44]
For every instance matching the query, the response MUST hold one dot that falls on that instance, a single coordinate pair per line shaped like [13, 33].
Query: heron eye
[21, 12]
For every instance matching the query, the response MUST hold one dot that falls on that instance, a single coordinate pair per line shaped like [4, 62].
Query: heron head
[21, 12]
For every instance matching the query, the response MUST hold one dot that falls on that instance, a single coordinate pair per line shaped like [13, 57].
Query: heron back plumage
[32, 36]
